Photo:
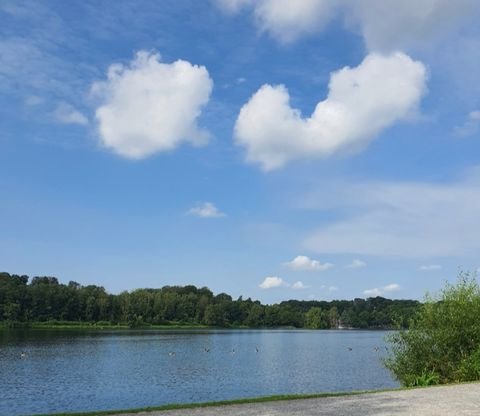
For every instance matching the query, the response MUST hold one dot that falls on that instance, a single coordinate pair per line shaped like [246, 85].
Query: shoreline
[248, 400]
[250, 405]
[65, 325]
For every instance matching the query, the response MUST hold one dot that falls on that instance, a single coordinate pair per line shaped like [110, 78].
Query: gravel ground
[436, 401]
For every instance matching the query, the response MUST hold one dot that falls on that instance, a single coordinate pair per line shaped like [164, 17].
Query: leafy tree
[443, 342]
[255, 315]
[215, 315]
[315, 319]
[333, 317]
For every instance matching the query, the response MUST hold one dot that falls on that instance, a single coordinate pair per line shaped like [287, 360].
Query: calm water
[70, 371]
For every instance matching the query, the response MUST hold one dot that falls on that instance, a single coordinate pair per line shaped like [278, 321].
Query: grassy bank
[254, 400]
[220, 403]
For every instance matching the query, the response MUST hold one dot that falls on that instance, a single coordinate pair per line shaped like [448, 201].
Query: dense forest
[24, 301]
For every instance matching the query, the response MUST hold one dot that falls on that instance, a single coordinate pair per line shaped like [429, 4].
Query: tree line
[44, 299]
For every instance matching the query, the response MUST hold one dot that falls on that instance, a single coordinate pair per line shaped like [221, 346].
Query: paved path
[435, 401]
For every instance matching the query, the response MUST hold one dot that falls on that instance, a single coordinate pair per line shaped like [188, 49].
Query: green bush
[443, 342]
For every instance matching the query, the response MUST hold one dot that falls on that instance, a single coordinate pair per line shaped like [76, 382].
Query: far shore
[72, 325]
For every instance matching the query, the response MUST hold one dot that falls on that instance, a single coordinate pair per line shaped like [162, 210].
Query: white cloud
[299, 285]
[393, 287]
[305, 263]
[372, 292]
[392, 25]
[65, 113]
[471, 125]
[206, 210]
[285, 20]
[356, 264]
[288, 20]
[150, 106]
[361, 102]
[272, 282]
[233, 6]
[385, 25]
[401, 219]
[430, 267]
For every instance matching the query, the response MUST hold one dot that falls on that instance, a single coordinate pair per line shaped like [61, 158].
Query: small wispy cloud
[430, 267]
[67, 114]
[329, 288]
[356, 264]
[304, 263]
[206, 210]
[272, 282]
[299, 285]
[33, 100]
[382, 219]
[376, 291]
[470, 126]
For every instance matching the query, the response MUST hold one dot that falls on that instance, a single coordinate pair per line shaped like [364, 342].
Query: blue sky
[271, 149]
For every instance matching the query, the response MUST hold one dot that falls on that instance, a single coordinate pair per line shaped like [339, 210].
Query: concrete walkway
[435, 401]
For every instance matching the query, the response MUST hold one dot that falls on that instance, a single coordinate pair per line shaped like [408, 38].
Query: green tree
[215, 315]
[315, 319]
[443, 342]
[333, 317]
[255, 315]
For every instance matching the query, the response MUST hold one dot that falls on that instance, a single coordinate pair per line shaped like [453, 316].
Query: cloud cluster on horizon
[393, 287]
[272, 282]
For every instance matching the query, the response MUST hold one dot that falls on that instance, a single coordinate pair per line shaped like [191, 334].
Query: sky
[272, 149]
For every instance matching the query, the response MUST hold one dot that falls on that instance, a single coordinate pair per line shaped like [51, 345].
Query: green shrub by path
[443, 342]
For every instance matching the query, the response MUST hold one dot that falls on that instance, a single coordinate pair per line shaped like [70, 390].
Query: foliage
[425, 379]
[48, 301]
[443, 342]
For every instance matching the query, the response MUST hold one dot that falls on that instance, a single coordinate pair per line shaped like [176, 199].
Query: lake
[99, 370]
